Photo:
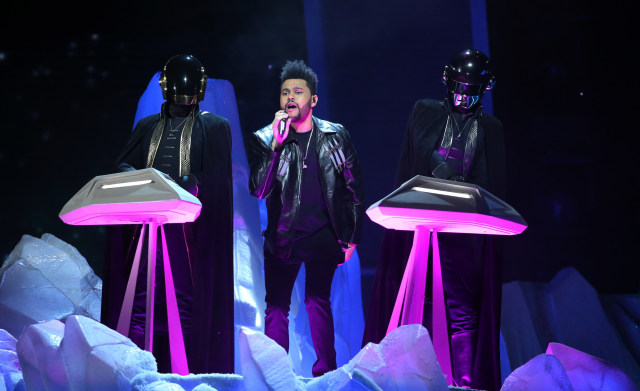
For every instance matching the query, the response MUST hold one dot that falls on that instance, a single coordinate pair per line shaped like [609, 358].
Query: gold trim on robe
[185, 143]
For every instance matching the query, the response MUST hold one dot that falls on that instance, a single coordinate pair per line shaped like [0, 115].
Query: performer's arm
[125, 167]
[264, 155]
[354, 185]
[442, 169]
[263, 165]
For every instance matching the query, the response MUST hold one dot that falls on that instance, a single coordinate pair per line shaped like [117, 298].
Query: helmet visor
[465, 101]
[460, 88]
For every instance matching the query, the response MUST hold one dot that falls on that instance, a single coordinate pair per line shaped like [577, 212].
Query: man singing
[307, 170]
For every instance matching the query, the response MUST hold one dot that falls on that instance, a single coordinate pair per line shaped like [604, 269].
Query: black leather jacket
[275, 175]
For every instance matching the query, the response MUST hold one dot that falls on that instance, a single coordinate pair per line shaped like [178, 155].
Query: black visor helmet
[467, 77]
[183, 80]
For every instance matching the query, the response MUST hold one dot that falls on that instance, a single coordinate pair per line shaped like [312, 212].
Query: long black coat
[211, 347]
[425, 127]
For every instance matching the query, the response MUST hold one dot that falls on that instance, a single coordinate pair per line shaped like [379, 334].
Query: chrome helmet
[467, 77]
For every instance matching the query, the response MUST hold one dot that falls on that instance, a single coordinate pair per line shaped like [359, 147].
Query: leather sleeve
[263, 166]
[354, 185]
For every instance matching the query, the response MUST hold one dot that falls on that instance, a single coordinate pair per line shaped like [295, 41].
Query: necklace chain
[453, 117]
[171, 129]
[304, 159]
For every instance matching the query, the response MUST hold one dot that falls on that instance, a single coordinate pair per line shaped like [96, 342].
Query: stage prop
[428, 206]
[149, 198]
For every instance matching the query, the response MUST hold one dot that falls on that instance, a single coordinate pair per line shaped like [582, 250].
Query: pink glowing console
[132, 197]
[145, 197]
[429, 205]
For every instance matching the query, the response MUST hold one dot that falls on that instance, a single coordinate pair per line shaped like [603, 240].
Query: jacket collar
[323, 126]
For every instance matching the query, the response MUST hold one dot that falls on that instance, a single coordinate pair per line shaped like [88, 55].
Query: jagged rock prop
[563, 368]
[40, 356]
[587, 372]
[80, 354]
[543, 372]
[265, 364]
[10, 370]
[568, 310]
[45, 279]
[154, 381]
[404, 360]
[51, 339]
[83, 354]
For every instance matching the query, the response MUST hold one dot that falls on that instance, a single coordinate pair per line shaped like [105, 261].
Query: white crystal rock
[543, 372]
[45, 279]
[587, 372]
[146, 381]
[10, 370]
[404, 360]
[40, 357]
[99, 358]
[265, 364]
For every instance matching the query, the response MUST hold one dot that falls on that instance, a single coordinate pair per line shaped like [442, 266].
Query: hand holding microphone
[280, 128]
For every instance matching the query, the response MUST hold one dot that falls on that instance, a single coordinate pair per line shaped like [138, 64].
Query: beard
[303, 113]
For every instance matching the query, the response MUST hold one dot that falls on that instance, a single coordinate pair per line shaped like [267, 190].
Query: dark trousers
[321, 255]
[461, 264]
[461, 256]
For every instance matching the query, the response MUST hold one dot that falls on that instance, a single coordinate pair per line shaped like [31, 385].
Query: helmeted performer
[309, 174]
[194, 149]
[453, 139]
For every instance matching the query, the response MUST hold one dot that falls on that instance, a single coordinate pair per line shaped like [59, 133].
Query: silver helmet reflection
[467, 77]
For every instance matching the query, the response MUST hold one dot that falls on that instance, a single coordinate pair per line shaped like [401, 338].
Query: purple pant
[280, 275]
[461, 263]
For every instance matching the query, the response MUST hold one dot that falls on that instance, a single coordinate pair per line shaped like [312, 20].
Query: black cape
[425, 127]
[210, 343]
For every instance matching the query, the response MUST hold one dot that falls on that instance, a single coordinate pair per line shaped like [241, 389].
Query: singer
[307, 170]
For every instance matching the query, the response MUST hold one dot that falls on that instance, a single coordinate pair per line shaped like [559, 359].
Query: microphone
[283, 126]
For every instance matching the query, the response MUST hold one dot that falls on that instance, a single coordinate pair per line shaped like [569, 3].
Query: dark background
[71, 77]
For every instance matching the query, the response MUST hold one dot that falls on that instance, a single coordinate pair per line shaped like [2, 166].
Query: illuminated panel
[131, 198]
[446, 206]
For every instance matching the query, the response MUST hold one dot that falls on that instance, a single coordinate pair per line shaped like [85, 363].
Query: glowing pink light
[409, 305]
[131, 198]
[169, 211]
[145, 197]
[407, 219]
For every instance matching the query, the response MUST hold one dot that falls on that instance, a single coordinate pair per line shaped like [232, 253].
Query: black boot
[463, 347]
